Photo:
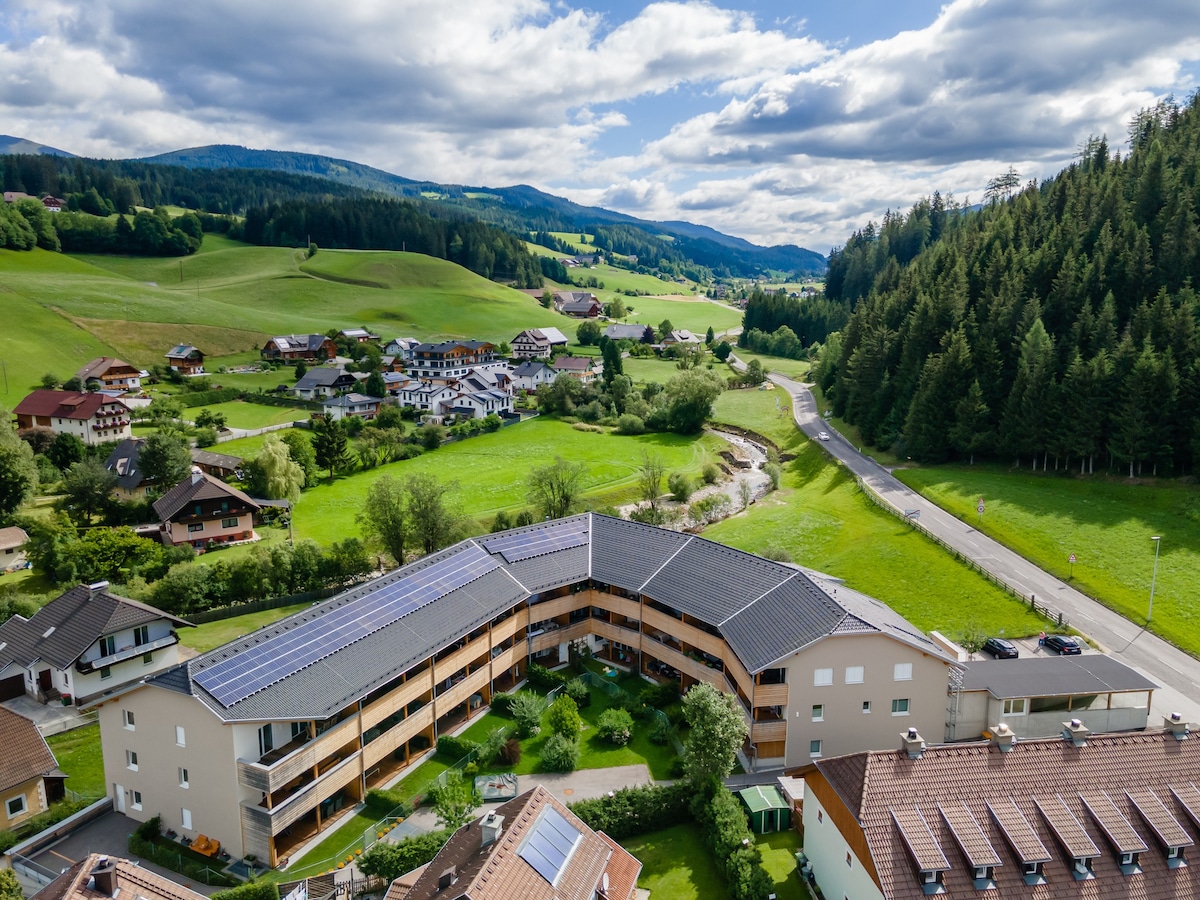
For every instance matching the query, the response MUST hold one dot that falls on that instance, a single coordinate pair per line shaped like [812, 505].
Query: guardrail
[32, 870]
[912, 518]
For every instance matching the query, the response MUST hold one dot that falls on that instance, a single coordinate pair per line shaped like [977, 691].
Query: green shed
[768, 810]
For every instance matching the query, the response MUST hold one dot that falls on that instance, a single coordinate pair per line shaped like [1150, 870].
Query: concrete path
[50, 718]
[1177, 672]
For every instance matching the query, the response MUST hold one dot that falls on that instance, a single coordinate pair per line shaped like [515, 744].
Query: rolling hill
[10, 144]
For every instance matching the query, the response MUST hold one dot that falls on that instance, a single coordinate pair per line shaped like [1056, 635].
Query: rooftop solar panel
[283, 654]
[1067, 828]
[924, 847]
[528, 544]
[550, 845]
[1018, 832]
[1113, 823]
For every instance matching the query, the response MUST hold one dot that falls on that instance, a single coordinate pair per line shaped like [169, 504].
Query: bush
[632, 811]
[150, 829]
[545, 679]
[206, 437]
[511, 751]
[452, 749]
[489, 747]
[561, 754]
[660, 696]
[578, 691]
[526, 709]
[564, 718]
[630, 424]
[389, 861]
[615, 726]
[502, 704]
[773, 472]
[388, 803]
[584, 426]
[662, 732]
[727, 832]
[680, 486]
[253, 890]
[711, 473]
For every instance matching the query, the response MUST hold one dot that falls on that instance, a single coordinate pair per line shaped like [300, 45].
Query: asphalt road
[1176, 671]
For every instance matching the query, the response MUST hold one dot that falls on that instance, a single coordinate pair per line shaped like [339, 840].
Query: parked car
[1063, 645]
[822, 435]
[1000, 648]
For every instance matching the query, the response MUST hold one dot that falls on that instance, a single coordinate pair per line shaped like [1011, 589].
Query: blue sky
[779, 122]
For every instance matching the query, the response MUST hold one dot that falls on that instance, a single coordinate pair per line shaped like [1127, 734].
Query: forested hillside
[1055, 326]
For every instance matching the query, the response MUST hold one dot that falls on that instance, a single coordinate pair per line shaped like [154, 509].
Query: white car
[822, 435]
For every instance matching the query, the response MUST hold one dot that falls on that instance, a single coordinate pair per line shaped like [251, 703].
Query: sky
[780, 122]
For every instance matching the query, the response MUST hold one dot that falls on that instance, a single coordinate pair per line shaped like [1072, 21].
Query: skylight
[550, 845]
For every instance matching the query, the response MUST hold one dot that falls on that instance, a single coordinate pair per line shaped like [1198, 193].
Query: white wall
[826, 849]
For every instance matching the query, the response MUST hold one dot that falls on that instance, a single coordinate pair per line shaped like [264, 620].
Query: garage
[12, 687]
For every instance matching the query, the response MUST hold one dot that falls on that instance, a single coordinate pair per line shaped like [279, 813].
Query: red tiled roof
[25, 753]
[622, 871]
[63, 404]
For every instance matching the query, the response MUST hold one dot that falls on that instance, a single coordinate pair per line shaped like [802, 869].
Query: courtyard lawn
[822, 518]
[246, 448]
[677, 864]
[340, 843]
[1106, 522]
[205, 637]
[491, 470]
[78, 754]
[241, 414]
[779, 859]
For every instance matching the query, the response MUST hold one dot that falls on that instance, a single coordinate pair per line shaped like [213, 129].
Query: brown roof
[623, 870]
[101, 366]
[130, 879]
[573, 363]
[63, 404]
[964, 804]
[498, 872]
[25, 753]
[12, 537]
[197, 486]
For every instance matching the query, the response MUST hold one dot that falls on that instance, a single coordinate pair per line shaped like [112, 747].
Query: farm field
[205, 637]
[491, 469]
[821, 517]
[694, 315]
[1106, 522]
[791, 368]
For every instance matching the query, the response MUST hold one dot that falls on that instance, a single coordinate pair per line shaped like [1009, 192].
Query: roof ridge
[756, 599]
[665, 562]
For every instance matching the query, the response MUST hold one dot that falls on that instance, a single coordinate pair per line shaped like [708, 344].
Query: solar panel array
[550, 844]
[261, 665]
[516, 547]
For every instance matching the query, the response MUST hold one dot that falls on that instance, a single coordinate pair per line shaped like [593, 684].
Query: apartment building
[264, 742]
[450, 360]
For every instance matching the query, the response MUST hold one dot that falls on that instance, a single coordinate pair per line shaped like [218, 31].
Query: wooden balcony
[770, 695]
[395, 737]
[259, 819]
[620, 605]
[769, 731]
[506, 659]
[404, 694]
[303, 759]
[559, 606]
[689, 634]
[509, 627]
[461, 692]
[554, 637]
[617, 633]
[460, 658]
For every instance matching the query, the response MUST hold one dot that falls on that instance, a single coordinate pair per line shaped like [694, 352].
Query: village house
[84, 643]
[14, 196]
[299, 346]
[532, 374]
[109, 374]
[681, 336]
[94, 418]
[538, 343]
[531, 847]
[325, 381]
[219, 465]
[12, 548]
[359, 335]
[125, 462]
[585, 369]
[352, 405]
[202, 510]
[53, 204]
[283, 731]
[101, 877]
[185, 359]
[450, 360]
[402, 348]
[30, 779]
[579, 304]
[391, 364]
[636, 333]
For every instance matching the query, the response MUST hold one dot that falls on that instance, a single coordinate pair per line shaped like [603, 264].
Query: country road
[1176, 671]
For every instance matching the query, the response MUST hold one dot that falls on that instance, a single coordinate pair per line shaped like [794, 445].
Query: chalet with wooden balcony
[83, 644]
[109, 374]
[281, 732]
[94, 418]
[203, 510]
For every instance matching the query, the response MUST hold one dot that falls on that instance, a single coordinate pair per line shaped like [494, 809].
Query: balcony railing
[303, 757]
[306, 799]
[125, 653]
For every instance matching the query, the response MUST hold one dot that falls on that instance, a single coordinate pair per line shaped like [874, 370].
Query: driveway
[49, 718]
[1176, 671]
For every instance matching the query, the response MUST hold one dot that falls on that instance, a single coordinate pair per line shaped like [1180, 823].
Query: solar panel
[528, 544]
[550, 845]
[275, 658]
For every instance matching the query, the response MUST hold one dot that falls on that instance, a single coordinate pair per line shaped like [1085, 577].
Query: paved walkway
[1176, 671]
[50, 718]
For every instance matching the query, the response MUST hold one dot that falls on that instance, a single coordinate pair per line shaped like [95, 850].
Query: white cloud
[783, 138]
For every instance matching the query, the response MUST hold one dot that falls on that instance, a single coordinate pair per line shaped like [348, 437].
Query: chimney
[1174, 723]
[1003, 737]
[490, 827]
[447, 878]
[98, 586]
[1076, 732]
[105, 876]
[912, 743]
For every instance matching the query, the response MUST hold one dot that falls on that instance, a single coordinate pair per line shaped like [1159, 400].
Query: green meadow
[1106, 522]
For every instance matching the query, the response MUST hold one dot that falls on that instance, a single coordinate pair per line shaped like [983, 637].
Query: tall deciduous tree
[718, 730]
[282, 476]
[650, 476]
[165, 460]
[384, 516]
[454, 801]
[433, 515]
[555, 488]
[88, 485]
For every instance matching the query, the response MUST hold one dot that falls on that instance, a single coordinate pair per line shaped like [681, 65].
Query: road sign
[1071, 559]
[980, 507]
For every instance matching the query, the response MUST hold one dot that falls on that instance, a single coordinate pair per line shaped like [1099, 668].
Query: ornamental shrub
[527, 709]
[545, 679]
[615, 726]
[564, 718]
[452, 749]
[561, 754]
[632, 811]
[578, 691]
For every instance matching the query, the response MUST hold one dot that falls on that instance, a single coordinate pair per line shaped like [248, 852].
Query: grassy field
[205, 637]
[822, 518]
[694, 315]
[756, 410]
[78, 754]
[491, 470]
[791, 368]
[1106, 523]
[677, 865]
[240, 414]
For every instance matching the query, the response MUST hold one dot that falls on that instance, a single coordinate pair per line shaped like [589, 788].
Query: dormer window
[1082, 868]
[1032, 873]
[1129, 864]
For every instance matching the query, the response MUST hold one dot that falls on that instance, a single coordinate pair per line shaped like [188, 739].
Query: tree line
[786, 326]
[1057, 326]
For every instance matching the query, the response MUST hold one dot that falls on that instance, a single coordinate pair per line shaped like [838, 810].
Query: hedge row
[633, 811]
[251, 890]
[728, 835]
[388, 803]
[541, 677]
[42, 821]
[207, 398]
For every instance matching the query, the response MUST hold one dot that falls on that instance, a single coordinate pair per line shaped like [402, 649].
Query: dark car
[1063, 645]
[1000, 648]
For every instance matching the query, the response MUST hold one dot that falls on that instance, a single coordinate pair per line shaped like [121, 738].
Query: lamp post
[1153, 578]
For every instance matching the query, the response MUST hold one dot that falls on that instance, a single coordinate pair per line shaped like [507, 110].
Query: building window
[15, 806]
[185, 819]
[147, 658]
[195, 527]
[849, 860]
[180, 737]
[266, 740]
[903, 672]
[183, 778]
[127, 718]
[131, 760]
[822, 677]
[229, 523]
[1015, 707]
[900, 707]
[866, 706]
[137, 799]
[141, 635]
[818, 712]
[108, 645]
[820, 815]
[814, 748]
[854, 674]
[105, 672]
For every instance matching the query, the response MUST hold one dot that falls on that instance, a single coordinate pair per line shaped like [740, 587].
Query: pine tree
[330, 445]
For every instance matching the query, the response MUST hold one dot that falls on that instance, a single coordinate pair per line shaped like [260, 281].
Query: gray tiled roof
[1053, 676]
[764, 609]
[197, 486]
